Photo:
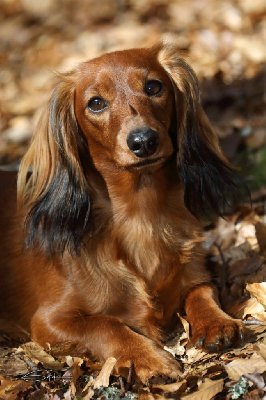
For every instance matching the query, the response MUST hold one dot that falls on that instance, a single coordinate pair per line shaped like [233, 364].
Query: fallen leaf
[62, 349]
[71, 392]
[177, 346]
[185, 324]
[145, 395]
[89, 384]
[193, 355]
[247, 307]
[73, 372]
[207, 390]
[259, 276]
[70, 361]
[258, 290]
[36, 354]
[262, 350]
[89, 395]
[103, 377]
[236, 368]
[260, 317]
[245, 266]
[12, 366]
[171, 387]
[10, 389]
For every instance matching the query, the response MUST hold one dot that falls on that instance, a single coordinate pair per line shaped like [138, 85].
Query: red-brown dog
[123, 150]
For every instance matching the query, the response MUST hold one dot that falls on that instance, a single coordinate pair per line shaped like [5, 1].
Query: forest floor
[225, 44]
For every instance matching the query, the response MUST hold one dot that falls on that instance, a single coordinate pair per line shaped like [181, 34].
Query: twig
[124, 389]
[123, 392]
[253, 321]
[225, 264]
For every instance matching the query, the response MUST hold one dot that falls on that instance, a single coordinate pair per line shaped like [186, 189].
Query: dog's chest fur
[146, 230]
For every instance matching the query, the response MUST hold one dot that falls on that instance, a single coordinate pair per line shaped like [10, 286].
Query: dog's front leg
[105, 336]
[211, 327]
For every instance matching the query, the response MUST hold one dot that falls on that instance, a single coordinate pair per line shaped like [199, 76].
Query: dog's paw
[217, 334]
[148, 360]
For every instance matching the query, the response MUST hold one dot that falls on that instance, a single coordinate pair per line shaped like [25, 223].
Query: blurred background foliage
[223, 40]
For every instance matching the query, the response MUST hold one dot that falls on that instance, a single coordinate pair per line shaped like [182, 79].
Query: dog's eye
[97, 104]
[153, 88]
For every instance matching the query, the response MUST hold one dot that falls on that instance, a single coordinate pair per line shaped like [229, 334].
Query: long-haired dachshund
[106, 247]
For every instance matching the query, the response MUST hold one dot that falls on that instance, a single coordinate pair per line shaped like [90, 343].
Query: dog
[106, 246]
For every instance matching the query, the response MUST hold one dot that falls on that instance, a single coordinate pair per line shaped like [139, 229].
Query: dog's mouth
[147, 162]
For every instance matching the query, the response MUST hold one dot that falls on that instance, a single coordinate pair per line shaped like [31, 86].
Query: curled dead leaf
[103, 377]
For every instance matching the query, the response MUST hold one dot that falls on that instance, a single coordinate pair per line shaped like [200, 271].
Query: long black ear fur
[56, 195]
[210, 182]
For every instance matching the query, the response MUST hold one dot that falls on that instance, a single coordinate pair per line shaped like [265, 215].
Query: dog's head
[123, 105]
[132, 109]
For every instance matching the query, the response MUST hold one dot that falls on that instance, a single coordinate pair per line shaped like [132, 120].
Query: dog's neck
[139, 193]
[143, 207]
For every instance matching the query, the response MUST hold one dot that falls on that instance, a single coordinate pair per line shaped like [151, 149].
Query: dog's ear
[210, 182]
[52, 188]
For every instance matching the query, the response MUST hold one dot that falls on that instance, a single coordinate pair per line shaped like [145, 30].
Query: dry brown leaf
[185, 324]
[89, 395]
[245, 266]
[36, 354]
[193, 355]
[12, 365]
[89, 384]
[175, 349]
[258, 330]
[258, 290]
[71, 392]
[10, 389]
[259, 276]
[62, 349]
[236, 368]
[70, 361]
[177, 346]
[207, 390]
[262, 350]
[260, 317]
[103, 377]
[75, 371]
[145, 395]
[247, 307]
[171, 387]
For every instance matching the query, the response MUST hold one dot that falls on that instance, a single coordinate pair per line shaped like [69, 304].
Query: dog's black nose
[143, 142]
